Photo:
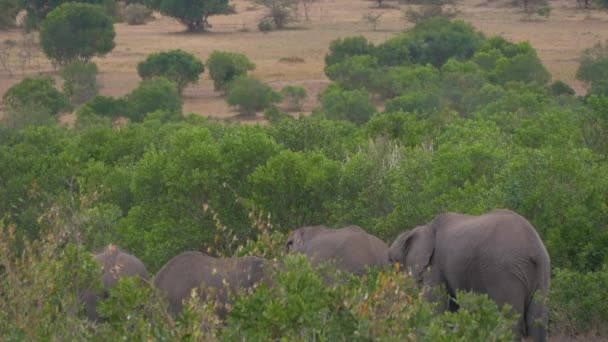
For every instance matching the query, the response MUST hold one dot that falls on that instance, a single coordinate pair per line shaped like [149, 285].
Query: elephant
[351, 248]
[115, 264]
[498, 253]
[189, 270]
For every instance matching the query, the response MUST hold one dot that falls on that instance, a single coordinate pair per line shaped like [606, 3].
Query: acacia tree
[177, 66]
[76, 32]
[192, 13]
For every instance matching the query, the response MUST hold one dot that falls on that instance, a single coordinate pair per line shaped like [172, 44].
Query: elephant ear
[295, 241]
[418, 248]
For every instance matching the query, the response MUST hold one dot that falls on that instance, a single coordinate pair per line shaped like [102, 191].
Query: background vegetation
[465, 127]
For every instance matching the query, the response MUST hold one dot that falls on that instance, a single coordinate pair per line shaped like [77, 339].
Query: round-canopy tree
[76, 32]
[192, 13]
[224, 67]
[175, 65]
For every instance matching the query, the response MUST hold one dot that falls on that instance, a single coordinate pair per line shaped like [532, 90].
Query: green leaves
[224, 67]
[177, 66]
[76, 32]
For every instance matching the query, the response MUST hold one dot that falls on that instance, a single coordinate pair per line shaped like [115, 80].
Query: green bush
[394, 51]
[299, 306]
[265, 25]
[79, 81]
[503, 62]
[294, 96]
[193, 14]
[152, 95]
[420, 102]
[340, 49]
[177, 66]
[353, 72]
[578, 302]
[437, 40]
[250, 95]
[478, 319]
[395, 81]
[76, 32]
[295, 188]
[559, 88]
[593, 69]
[224, 67]
[108, 106]
[352, 105]
[36, 93]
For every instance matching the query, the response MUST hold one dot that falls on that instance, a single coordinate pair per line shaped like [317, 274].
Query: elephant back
[191, 270]
[115, 263]
[351, 248]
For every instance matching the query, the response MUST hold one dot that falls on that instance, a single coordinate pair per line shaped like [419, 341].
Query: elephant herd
[498, 253]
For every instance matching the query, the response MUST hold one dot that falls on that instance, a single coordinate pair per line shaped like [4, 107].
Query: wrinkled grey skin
[190, 270]
[351, 248]
[115, 264]
[498, 253]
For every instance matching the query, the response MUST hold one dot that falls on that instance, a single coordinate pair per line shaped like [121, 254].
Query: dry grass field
[558, 40]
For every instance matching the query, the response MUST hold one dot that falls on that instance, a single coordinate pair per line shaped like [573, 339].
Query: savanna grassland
[558, 40]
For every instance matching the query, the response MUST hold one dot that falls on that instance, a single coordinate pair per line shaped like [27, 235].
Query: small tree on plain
[372, 19]
[294, 96]
[36, 93]
[224, 67]
[194, 14]
[279, 11]
[176, 65]
[250, 95]
[152, 95]
[593, 69]
[76, 32]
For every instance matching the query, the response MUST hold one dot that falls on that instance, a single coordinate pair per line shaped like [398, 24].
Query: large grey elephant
[351, 248]
[498, 253]
[189, 270]
[115, 264]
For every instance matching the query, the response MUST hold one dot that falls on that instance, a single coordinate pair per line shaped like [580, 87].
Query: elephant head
[115, 264]
[414, 250]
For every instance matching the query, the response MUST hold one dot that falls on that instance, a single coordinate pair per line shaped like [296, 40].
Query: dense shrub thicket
[468, 133]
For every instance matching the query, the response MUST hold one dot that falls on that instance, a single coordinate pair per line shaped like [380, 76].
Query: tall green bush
[224, 67]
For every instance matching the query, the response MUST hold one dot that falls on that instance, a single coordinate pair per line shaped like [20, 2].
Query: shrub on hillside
[437, 40]
[250, 95]
[108, 106]
[340, 49]
[353, 72]
[79, 81]
[177, 66]
[503, 61]
[36, 93]
[224, 67]
[559, 88]
[593, 69]
[76, 32]
[294, 96]
[420, 102]
[152, 95]
[352, 105]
